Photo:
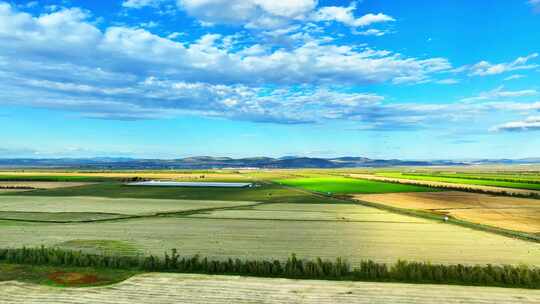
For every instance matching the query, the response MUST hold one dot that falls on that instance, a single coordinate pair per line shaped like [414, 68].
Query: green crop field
[463, 180]
[264, 192]
[342, 185]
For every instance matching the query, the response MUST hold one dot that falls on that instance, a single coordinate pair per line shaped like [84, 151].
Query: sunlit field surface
[342, 185]
[206, 289]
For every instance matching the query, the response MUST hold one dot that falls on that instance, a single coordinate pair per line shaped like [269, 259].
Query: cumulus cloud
[251, 13]
[529, 124]
[60, 60]
[67, 38]
[485, 68]
[346, 16]
[270, 14]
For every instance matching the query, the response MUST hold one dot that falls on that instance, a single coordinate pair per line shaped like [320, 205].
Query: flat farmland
[342, 185]
[71, 206]
[475, 180]
[264, 192]
[304, 212]
[505, 212]
[205, 289]
[401, 238]
[104, 176]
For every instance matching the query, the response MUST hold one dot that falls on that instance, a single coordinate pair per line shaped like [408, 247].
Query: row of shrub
[17, 187]
[401, 271]
[489, 178]
[457, 187]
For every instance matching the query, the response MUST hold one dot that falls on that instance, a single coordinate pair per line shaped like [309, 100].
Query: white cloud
[136, 4]
[346, 16]
[499, 92]
[447, 81]
[67, 38]
[529, 124]
[485, 68]
[61, 61]
[513, 77]
[251, 13]
[370, 32]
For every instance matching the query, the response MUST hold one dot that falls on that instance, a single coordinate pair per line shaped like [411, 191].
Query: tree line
[532, 195]
[293, 267]
[488, 178]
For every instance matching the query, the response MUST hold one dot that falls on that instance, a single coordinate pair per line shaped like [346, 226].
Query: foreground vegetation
[401, 271]
[62, 276]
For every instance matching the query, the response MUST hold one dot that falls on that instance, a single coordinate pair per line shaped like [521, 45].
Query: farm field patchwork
[406, 238]
[122, 206]
[305, 212]
[261, 193]
[342, 185]
[505, 212]
[212, 289]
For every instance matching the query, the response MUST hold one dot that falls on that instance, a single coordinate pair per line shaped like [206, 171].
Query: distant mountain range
[208, 162]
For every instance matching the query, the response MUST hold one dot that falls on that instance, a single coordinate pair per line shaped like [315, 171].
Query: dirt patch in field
[73, 278]
[505, 212]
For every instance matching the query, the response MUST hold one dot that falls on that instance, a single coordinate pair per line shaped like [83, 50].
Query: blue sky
[166, 79]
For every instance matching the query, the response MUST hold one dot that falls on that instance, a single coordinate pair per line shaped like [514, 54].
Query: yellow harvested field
[207, 289]
[442, 184]
[505, 212]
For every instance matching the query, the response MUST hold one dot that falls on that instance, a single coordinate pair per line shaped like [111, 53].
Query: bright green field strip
[466, 181]
[533, 179]
[266, 239]
[58, 216]
[342, 185]
[264, 193]
[106, 205]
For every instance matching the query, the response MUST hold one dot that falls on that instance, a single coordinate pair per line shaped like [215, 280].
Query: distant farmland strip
[473, 187]
[342, 185]
[465, 180]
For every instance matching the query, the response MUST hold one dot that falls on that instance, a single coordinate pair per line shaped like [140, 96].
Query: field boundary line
[431, 216]
[131, 217]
